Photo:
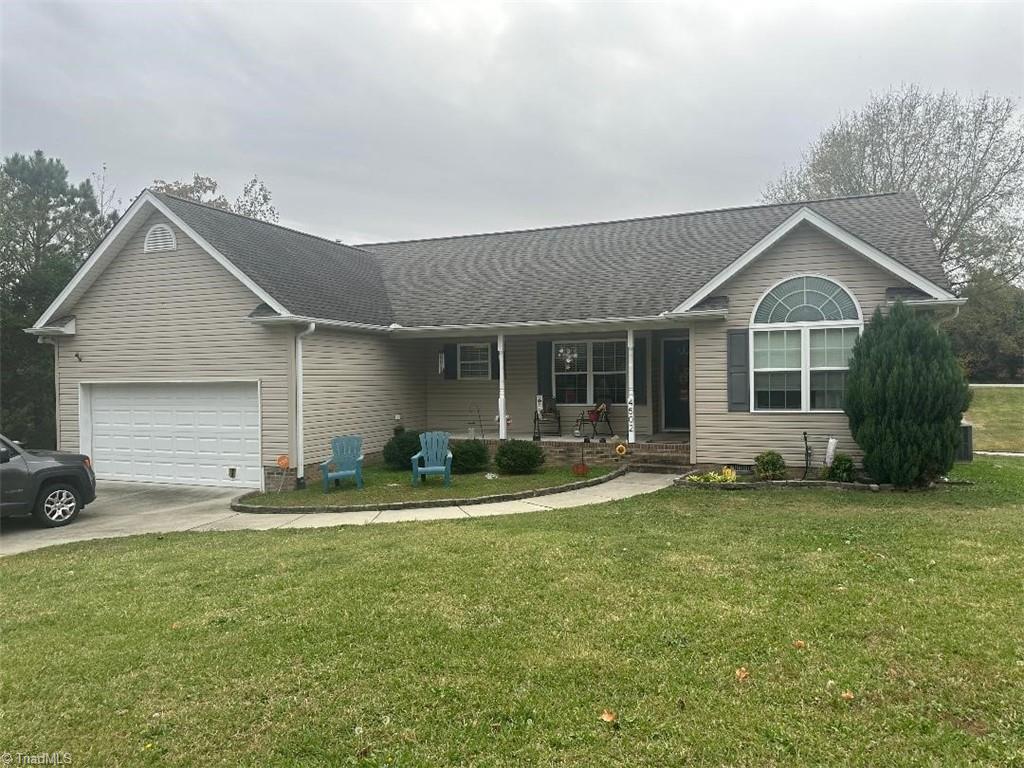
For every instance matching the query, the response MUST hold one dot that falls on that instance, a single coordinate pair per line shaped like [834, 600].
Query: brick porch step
[658, 468]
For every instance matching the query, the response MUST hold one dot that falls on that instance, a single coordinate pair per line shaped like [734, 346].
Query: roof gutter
[66, 328]
[930, 302]
[301, 320]
[541, 324]
[300, 453]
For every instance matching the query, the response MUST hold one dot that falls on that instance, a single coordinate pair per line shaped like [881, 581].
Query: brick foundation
[568, 452]
[275, 478]
[557, 452]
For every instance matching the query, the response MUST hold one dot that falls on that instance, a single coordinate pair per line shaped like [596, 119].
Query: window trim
[590, 370]
[458, 361]
[804, 327]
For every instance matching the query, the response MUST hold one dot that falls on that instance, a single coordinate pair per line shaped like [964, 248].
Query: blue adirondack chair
[346, 462]
[435, 456]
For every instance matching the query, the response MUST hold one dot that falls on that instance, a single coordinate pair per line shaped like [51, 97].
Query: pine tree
[905, 397]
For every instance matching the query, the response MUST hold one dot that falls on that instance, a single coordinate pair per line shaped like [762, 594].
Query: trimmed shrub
[842, 470]
[518, 457]
[400, 449]
[469, 456]
[905, 397]
[770, 466]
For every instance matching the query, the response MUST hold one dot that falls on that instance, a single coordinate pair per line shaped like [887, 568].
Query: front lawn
[762, 628]
[381, 484]
[998, 417]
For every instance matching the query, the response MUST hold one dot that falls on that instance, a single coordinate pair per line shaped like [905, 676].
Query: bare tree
[106, 195]
[962, 156]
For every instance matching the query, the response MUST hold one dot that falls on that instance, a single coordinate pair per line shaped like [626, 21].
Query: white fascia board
[832, 230]
[90, 263]
[147, 198]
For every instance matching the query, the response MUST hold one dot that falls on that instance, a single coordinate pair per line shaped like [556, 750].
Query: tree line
[963, 157]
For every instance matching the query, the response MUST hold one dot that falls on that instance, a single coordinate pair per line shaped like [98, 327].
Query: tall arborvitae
[905, 397]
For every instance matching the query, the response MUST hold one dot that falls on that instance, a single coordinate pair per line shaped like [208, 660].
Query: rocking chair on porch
[597, 419]
[547, 420]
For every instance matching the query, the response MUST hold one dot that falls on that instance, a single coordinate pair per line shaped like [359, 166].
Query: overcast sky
[386, 121]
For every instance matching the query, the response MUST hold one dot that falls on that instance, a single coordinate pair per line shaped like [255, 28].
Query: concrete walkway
[127, 509]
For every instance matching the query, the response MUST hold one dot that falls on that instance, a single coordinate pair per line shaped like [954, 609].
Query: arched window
[801, 337]
[160, 238]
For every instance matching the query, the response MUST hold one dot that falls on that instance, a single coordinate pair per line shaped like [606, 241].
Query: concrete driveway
[124, 509]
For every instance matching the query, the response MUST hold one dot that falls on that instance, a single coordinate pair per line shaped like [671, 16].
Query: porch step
[673, 459]
[658, 468]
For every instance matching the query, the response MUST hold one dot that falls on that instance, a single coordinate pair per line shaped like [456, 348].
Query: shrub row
[513, 457]
[771, 466]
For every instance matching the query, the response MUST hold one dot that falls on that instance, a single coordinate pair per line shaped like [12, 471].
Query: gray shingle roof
[631, 268]
[308, 275]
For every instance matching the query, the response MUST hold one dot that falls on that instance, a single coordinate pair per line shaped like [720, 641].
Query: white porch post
[630, 405]
[502, 422]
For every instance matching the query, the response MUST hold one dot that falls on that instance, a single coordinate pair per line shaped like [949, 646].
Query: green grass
[499, 641]
[998, 418]
[381, 485]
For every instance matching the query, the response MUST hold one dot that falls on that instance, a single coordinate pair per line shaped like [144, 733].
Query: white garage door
[193, 434]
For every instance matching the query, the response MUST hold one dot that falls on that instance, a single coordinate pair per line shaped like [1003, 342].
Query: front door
[675, 366]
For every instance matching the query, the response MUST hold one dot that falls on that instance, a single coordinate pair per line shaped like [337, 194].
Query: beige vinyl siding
[452, 403]
[733, 437]
[173, 316]
[355, 384]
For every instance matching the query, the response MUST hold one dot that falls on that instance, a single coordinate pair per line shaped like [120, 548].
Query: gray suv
[52, 486]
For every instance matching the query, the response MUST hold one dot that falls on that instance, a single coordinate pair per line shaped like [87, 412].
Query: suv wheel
[58, 505]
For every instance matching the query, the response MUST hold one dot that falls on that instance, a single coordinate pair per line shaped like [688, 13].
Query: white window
[474, 361]
[160, 237]
[589, 372]
[802, 336]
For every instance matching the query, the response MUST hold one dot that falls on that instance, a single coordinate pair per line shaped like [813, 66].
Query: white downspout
[300, 456]
[630, 403]
[502, 421]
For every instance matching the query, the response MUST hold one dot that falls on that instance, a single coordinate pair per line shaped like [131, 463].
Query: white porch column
[502, 421]
[630, 404]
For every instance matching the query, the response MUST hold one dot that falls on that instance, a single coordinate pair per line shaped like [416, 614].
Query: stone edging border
[238, 503]
[760, 485]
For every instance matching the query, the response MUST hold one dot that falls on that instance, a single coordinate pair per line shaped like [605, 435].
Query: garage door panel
[177, 433]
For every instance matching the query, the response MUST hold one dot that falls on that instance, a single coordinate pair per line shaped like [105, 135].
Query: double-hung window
[802, 335]
[474, 361]
[589, 372]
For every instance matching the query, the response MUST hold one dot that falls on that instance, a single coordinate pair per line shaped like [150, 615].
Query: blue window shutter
[738, 369]
[544, 369]
[451, 361]
[640, 372]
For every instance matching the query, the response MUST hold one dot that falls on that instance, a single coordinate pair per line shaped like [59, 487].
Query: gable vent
[160, 238]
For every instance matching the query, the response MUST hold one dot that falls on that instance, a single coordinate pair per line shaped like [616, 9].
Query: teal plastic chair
[435, 456]
[347, 461]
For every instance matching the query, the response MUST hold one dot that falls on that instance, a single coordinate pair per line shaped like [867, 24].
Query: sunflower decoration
[621, 449]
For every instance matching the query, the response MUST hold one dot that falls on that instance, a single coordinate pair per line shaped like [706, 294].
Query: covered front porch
[562, 386]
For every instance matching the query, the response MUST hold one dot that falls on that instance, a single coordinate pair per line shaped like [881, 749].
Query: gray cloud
[384, 121]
